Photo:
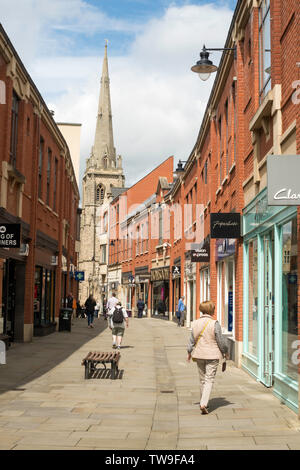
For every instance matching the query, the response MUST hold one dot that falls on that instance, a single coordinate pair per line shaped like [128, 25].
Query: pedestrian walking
[140, 306]
[110, 306]
[181, 310]
[70, 300]
[118, 320]
[78, 309]
[97, 310]
[89, 308]
[206, 347]
[74, 307]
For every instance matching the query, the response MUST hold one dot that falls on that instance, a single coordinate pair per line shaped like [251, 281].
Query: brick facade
[43, 198]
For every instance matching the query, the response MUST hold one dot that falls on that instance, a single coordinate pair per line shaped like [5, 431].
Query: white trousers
[207, 369]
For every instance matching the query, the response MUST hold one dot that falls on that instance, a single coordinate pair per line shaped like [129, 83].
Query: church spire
[104, 152]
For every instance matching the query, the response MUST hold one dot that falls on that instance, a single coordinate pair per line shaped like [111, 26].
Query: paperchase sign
[225, 225]
[283, 173]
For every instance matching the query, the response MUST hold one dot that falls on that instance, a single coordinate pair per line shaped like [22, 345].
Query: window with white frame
[264, 49]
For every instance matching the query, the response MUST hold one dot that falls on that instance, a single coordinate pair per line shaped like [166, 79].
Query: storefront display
[160, 279]
[44, 296]
[270, 296]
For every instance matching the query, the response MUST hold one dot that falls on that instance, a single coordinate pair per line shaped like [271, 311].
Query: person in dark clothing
[78, 309]
[90, 304]
[140, 306]
[70, 300]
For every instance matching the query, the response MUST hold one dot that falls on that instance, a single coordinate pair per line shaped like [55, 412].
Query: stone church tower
[103, 179]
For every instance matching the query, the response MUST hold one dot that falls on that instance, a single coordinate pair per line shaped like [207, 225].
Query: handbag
[224, 365]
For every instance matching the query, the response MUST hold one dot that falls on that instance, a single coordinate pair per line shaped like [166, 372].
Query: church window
[100, 193]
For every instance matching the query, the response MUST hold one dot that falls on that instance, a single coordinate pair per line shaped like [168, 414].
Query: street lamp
[204, 67]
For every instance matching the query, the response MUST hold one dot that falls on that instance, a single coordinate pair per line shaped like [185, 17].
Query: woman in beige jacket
[206, 347]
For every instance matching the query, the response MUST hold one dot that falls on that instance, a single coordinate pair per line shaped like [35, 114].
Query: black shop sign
[201, 254]
[225, 225]
[10, 235]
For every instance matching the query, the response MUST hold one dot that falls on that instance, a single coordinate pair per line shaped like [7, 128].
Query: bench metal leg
[87, 370]
[113, 370]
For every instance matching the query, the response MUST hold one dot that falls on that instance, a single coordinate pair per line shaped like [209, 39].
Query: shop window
[289, 299]
[44, 296]
[264, 49]
[253, 299]
[204, 285]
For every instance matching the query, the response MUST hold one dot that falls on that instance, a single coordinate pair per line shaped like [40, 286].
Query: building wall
[43, 219]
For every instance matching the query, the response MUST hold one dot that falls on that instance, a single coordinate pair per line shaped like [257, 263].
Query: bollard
[2, 353]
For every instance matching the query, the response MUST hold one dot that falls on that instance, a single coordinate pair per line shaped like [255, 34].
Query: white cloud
[157, 102]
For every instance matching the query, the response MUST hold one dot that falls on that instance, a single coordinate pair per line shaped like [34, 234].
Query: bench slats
[97, 356]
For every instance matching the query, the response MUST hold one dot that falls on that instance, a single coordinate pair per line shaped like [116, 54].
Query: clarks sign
[225, 225]
[283, 180]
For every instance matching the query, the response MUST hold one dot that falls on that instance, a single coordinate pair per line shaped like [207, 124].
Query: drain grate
[167, 391]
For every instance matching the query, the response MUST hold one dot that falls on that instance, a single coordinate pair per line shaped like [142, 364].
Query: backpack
[117, 316]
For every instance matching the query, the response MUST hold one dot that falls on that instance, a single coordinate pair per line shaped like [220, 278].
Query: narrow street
[45, 402]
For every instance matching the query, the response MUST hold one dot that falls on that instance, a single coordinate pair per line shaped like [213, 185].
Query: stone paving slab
[46, 403]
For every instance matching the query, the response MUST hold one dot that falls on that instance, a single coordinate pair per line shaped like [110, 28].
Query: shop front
[44, 293]
[12, 275]
[270, 296]
[176, 285]
[190, 289]
[142, 282]
[160, 292]
[128, 287]
[225, 249]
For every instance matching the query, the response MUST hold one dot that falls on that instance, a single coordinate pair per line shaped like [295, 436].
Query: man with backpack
[118, 320]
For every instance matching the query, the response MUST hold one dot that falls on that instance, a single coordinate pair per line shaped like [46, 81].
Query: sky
[157, 102]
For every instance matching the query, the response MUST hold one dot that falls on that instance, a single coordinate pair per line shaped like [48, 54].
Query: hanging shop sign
[10, 235]
[201, 254]
[176, 271]
[225, 225]
[162, 274]
[283, 186]
[224, 247]
[79, 275]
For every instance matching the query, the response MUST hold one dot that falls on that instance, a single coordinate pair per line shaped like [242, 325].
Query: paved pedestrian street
[45, 402]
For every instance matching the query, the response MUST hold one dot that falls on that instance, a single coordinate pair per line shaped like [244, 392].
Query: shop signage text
[10, 235]
[201, 253]
[162, 274]
[283, 180]
[225, 225]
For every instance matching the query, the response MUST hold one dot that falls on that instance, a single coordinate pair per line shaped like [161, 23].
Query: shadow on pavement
[106, 374]
[29, 361]
[220, 402]
[215, 403]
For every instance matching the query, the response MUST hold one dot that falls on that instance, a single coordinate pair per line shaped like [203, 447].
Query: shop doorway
[268, 310]
[160, 299]
[9, 298]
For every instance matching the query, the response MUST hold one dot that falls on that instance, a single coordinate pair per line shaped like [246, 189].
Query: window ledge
[232, 168]
[218, 190]
[224, 180]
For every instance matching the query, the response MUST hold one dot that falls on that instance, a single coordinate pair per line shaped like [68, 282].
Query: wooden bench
[93, 358]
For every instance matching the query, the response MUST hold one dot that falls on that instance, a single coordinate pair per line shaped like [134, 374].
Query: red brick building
[38, 190]
[252, 114]
[133, 240]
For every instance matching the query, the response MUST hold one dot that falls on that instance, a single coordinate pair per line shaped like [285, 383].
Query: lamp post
[204, 67]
